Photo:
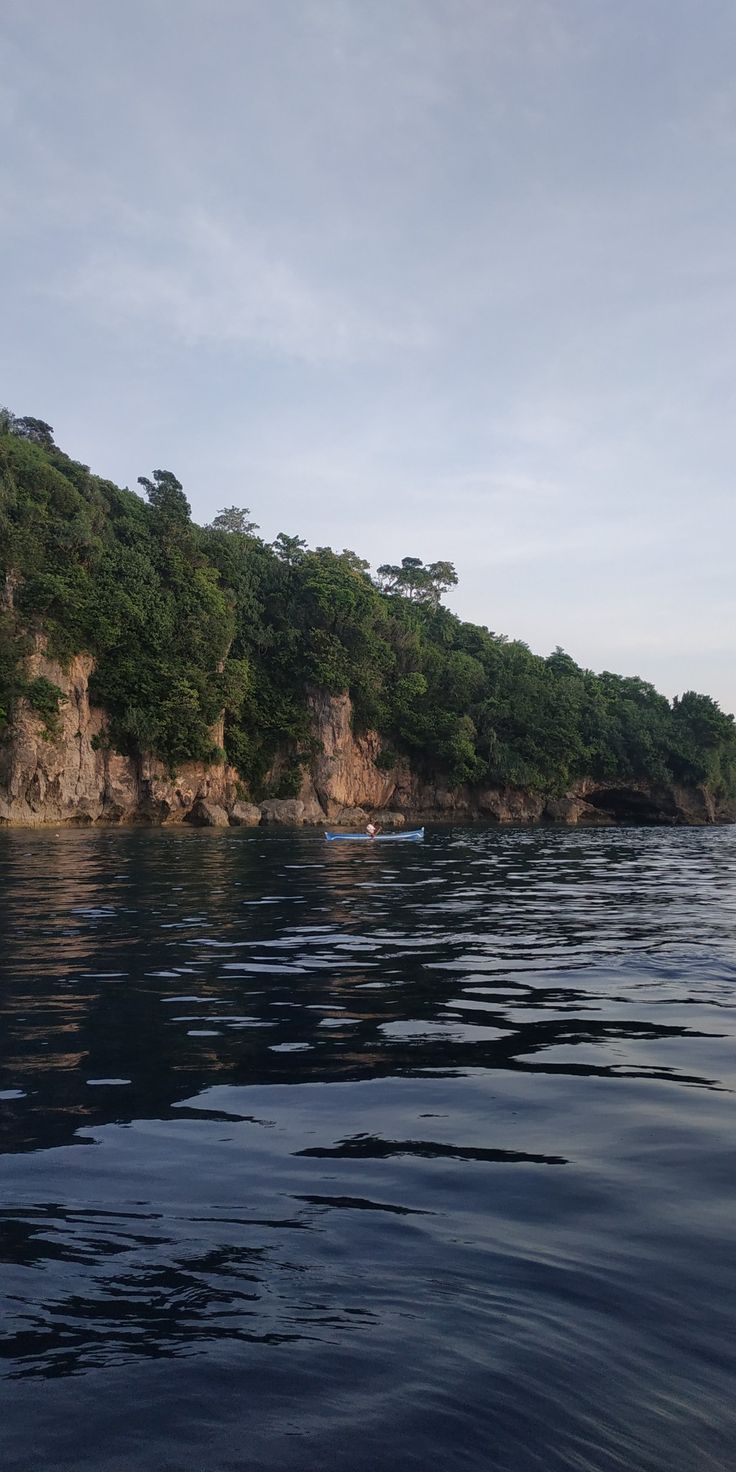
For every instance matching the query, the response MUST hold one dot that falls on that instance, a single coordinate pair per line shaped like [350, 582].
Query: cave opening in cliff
[626, 805]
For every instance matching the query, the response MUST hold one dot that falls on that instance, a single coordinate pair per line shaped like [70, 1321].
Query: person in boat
[372, 830]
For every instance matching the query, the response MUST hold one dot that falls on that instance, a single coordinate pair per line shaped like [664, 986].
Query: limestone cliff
[75, 777]
[344, 772]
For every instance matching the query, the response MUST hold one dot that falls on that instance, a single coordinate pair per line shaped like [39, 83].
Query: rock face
[74, 777]
[46, 780]
[344, 773]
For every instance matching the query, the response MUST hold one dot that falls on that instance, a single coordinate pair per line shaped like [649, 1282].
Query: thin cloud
[439, 276]
[219, 287]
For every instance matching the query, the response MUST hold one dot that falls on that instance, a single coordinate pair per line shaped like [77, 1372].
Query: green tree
[289, 549]
[234, 519]
[35, 430]
[166, 496]
[411, 579]
[441, 576]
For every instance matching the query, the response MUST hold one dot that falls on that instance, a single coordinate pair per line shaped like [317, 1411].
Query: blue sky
[445, 278]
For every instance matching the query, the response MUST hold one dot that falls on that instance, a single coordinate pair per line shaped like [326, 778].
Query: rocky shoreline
[75, 777]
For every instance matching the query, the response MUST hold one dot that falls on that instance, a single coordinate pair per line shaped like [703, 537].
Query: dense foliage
[187, 621]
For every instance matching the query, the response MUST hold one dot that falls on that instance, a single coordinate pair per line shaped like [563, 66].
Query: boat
[411, 835]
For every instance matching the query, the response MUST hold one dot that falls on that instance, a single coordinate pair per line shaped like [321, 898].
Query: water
[320, 1157]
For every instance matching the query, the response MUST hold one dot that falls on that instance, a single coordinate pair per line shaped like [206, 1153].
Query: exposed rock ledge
[76, 778]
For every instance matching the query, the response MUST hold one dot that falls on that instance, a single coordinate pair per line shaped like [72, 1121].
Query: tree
[35, 430]
[347, 558]
[408, 578]
[441, 576]
[561, 663]
[702, 718]
[412, 580]
[234, 519]
[166, 495]
[289, 549]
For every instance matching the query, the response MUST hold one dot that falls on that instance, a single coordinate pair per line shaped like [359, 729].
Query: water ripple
[368, 1159]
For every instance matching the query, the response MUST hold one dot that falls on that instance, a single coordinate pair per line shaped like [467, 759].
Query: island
[153, 670]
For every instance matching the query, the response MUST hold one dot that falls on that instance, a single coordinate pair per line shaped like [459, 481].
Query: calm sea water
[373, 1157]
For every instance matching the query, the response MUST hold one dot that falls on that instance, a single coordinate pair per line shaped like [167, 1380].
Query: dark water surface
[331, 1157]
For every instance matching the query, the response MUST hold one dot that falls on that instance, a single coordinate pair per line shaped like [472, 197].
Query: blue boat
[412, 835]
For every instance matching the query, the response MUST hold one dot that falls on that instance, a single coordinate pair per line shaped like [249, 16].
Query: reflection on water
[333, 1157]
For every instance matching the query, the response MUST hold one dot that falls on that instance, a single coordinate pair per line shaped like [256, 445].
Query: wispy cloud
[209, 284]
[444, 277]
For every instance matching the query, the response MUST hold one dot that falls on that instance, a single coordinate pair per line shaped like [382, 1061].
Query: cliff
[73, 776]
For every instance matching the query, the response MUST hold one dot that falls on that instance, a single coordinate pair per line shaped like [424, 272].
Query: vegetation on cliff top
[186, 621]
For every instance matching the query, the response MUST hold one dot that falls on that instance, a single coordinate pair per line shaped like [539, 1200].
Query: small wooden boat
[411, 835]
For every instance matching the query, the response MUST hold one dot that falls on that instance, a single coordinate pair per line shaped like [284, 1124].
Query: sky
[453, 279]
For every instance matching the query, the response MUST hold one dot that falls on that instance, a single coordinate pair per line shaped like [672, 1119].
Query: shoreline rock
[245, 815]
[76, 778]
[207, 815]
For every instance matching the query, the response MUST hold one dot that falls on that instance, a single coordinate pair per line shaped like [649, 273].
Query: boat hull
[413, 835]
